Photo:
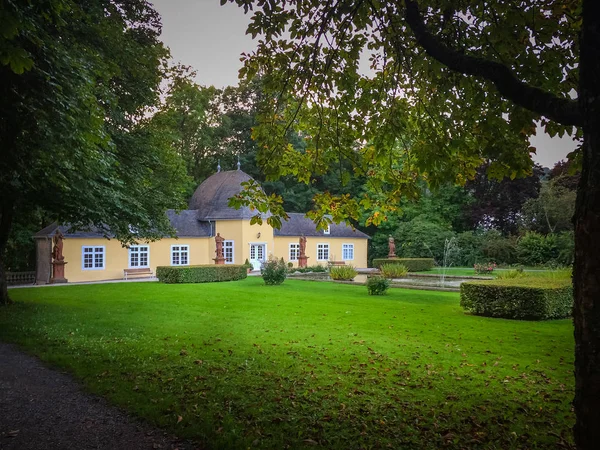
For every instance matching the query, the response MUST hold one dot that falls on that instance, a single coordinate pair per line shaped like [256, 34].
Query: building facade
[90, 256]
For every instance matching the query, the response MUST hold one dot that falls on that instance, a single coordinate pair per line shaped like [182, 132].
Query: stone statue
[302, 246]
[392, 245]
[219, 241]
[57, 251]
[58, 260]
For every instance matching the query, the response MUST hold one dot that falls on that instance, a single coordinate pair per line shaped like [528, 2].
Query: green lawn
[243, 365]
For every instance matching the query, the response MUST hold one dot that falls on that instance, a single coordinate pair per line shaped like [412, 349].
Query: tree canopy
[311, 56]
[77, 79]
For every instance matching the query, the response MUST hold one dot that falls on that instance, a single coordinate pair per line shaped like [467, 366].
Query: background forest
[524, 221]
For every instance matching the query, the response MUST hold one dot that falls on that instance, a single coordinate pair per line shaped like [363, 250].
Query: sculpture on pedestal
[392, 245]
[219, 241]
[302, 258]
[58, 259]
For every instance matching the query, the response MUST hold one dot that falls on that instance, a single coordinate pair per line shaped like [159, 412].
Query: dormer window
[327, 230]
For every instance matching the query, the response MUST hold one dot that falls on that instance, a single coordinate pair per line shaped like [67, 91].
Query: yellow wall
[202, 250]
[243, 234]
[282, 249]
[117, 257]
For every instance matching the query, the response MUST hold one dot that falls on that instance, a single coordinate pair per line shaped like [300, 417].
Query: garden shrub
[514, 273]
[565, 243]
[342, 273]
[274, 271]
[469, 244]
[484, 268]
[201, 274]
[377, 285]
[393, 270]
[412, 264]
[423, 235]
[315, 268]
[529, 298]
[535, 249]
[496, 247]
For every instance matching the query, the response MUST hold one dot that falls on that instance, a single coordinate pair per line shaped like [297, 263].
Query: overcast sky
[210, 38]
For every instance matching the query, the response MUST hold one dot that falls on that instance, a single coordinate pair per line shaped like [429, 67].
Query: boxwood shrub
[412, 264]
[201, 274]
[519, 298]
[377, 285]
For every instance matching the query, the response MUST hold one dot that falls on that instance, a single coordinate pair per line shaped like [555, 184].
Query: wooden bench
[145, 271]
[336, 263]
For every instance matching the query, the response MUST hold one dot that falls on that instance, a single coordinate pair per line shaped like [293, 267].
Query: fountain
[450, 250]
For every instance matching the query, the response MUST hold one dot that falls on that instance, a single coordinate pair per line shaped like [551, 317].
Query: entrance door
[257, 255]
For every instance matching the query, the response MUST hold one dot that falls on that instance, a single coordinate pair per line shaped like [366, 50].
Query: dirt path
[41, 408]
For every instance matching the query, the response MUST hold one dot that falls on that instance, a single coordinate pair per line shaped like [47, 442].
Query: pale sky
[211, 38]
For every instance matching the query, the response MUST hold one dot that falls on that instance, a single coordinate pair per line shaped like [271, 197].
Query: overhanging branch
[561, 110]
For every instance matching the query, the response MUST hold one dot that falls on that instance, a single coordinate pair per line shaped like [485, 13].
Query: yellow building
[91, 257]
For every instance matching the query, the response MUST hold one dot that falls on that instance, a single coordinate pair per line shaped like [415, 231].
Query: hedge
[519, 298]
[412, 264]
[201, 274]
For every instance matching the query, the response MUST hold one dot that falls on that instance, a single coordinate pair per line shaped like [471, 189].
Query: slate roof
[298, 225]
[211, 198]
[49, 231]
[210, 203]
[185, 223]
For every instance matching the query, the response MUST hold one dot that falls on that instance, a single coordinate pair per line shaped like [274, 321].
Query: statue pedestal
[302, 261]
[58, 272]
[220, 260]
[392, 256]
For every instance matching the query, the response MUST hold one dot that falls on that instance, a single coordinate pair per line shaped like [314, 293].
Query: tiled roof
[298, 225]
[50, 230]
[211, 198]
[185, 223]
[210, 203]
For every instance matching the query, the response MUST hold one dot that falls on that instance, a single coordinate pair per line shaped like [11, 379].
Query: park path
[41, 408]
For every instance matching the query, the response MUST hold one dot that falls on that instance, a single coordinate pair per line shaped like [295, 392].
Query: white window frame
[325, 249]
[137, 248]
[327, 230]
[93, 253]
[294, 251]
[181, 249]
[226, 245]
[346, 248]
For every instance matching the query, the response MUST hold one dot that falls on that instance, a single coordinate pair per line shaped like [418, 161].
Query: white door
[257, 255]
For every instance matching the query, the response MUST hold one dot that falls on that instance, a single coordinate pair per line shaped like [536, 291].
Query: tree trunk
[586, 273]
[6, 217]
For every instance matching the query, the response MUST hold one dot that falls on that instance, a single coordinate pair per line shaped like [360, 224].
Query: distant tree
[552, 211]
[77, 79]
[568, 174]
[498, 203]
[190, 121]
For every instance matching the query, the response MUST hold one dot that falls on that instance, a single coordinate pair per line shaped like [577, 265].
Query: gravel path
[41, 408]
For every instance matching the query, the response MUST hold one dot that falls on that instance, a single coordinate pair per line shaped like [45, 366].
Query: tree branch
[561, 110]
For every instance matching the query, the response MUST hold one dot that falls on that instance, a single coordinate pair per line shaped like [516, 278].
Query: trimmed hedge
[201, 274]
[412, 264]
[519, 298]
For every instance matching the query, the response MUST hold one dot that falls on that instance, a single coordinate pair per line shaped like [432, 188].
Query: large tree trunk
[6, 218]
[586, 274]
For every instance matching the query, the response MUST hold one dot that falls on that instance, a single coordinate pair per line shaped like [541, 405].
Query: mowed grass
[305, 364]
